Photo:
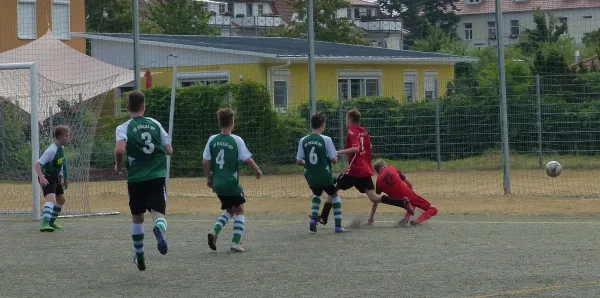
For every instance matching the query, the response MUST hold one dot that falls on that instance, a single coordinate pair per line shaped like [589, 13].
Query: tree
[183, 17]
[113, 16]
[327, 26]
[438, 41]
[592, 41]
[416, 15]
[548, 29]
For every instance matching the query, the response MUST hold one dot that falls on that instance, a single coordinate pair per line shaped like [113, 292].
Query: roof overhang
[319, 59]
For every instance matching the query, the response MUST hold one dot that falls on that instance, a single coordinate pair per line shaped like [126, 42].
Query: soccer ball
[553, 169]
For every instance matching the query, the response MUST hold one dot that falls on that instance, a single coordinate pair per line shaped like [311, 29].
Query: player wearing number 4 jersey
[358, 175]
[317, 153]
[146, 145]
[222, 156]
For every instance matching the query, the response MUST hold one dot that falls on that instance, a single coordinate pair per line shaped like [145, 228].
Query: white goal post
[35, 129]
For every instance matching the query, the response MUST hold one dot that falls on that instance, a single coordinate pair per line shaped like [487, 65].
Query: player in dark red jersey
[358, 149]
[391, 181]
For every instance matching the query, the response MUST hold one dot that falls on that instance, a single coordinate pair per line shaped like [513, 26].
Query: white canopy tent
[65, 73]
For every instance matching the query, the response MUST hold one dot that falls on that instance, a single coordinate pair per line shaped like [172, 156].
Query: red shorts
[419, 202]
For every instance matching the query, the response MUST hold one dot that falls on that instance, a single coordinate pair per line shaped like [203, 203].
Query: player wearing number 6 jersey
[222, 156]
[317, 153]
[146, 145]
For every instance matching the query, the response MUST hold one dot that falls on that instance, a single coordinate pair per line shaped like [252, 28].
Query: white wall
[121, 54]
[577, 24]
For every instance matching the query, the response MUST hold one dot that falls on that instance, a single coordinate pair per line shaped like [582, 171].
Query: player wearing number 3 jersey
[317, 153]
[223, 156]
[146, 145]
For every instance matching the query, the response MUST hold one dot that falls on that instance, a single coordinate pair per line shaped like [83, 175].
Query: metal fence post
[51, 129]
[3, 116]
[171, 115]
[538, 104]
[438, 143]
[341, 124]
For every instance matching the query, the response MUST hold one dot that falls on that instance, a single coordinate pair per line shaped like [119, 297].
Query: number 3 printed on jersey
[149, 148]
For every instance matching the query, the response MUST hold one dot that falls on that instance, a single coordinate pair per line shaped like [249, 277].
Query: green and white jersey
[316, 151]
[226, 153]
[52, 160]
[146, 155]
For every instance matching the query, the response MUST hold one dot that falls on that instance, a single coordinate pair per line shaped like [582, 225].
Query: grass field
[451, 256]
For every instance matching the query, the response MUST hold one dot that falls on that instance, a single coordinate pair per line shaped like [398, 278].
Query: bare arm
[349, 150]
[207, 173]
[119, 154]
[41, 178]
[169, 149]
[257, 171]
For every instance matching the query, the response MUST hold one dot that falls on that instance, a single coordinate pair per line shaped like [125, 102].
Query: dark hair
[61, 130]
[225, 117]
[354, 115]
[136, 101]
[317, 120]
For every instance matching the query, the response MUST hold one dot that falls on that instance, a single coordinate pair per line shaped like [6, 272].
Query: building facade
[24, 21]
[477, 24]
[249, 18]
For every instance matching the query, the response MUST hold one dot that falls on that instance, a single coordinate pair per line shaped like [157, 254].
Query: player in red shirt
[391, 181]
[358, 149]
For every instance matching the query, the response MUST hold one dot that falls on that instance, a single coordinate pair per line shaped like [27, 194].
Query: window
[354, 84]
[563, 21]
[261, 9]
[515, 28]
[468, 31]
[249, 11]
[492, 30]
[587, 17]
[61, 19]
[411, 81]
[26, 19]
[369, 12]
[222, 8]
[431, 79]
[473, 1]
[281, 82]
[187, 79]
[349, 13]
[230, 8]
[357, 13]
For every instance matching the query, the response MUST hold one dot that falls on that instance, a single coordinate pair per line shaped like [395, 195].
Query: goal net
[76, 106]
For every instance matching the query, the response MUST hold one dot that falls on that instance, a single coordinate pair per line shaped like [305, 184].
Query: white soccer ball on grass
[553, 169]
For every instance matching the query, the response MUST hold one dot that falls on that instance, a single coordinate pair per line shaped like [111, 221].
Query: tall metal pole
[136, 45]
[438, 142]
[538, 104]
[503, 104]
[172, 113]
[3, 121]
[311, 56]
[35, 139]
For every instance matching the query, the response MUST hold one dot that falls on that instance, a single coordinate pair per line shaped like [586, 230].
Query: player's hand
[258, 173]
[43, 181]
[209, 183]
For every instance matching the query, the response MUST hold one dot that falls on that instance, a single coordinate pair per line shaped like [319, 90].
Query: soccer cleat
[56, 227]
[212, 239]
[320, 219]
[46, 228]
[340, 230]
[415, 223]
[313, 226]
[404, 222]
[237, 248]
[140, 262]
[160, 238]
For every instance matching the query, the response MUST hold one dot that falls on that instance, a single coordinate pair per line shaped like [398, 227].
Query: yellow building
[342, 71]
[24, 21]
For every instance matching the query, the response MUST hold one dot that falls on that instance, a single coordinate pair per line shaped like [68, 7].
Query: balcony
[266, 21]
[218, 20]
[379, 25]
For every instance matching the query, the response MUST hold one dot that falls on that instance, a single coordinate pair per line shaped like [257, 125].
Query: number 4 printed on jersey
[221, 158]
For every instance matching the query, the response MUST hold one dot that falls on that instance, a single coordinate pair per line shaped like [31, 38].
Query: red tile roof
[489, 6]
[282, 8]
